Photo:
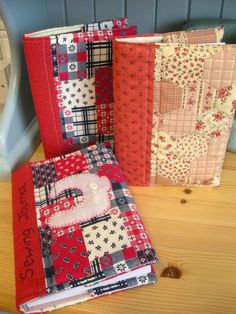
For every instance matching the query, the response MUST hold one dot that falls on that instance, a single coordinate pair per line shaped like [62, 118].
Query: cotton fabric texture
[70, 74]
[174, 106]
[77, 218]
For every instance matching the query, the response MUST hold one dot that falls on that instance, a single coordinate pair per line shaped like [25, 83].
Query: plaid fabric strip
[99, 53]
[84, 122]
[219, 70]
[97, 156]
[119, 262]
[121, 197]
[66, 121]
[120, 285]
[204, 169]
[195, 36]
[136, 231]
[179, 122]
[209, 35]
[97, 275]
[42, 198]
[124, 284]
[107, 139]
[95, 220]
[170, 96]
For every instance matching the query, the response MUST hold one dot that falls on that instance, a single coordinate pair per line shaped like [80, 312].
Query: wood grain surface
[194, 233]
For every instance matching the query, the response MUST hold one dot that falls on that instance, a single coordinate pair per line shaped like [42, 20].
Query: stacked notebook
[174, 107]
[78, 231]
[70, 72]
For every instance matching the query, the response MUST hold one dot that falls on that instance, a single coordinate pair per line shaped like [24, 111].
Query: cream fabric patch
[105, 237]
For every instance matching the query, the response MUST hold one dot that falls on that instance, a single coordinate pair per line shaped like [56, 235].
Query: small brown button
[188, 191]
[171, 272]
[183, 201]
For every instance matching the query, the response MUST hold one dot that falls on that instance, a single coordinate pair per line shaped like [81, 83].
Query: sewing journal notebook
[77, 231]
[174, 107]
[70, 73]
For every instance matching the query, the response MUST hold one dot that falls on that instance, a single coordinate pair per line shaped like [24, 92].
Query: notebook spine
[133, 108]
[39, 65]
[29, 274]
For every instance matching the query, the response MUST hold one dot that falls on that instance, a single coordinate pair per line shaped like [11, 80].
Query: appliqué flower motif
[95, 202]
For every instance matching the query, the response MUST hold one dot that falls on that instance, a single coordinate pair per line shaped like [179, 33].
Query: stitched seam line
[50, 96]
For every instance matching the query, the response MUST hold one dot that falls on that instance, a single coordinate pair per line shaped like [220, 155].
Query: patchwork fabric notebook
[174, 105]
[70, 72]
[77, 231]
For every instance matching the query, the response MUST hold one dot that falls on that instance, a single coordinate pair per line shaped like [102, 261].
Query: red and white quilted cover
[76, 224]
[70, 75]
[174, 106]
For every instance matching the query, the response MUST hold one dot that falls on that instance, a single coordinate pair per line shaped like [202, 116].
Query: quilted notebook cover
[70, 72]
[174, 105]
[76, 226]
[211, 35]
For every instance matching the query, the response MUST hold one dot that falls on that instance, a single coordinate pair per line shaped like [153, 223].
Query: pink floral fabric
[195, 92]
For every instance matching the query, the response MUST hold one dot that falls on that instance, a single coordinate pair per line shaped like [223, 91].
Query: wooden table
[195, 232]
